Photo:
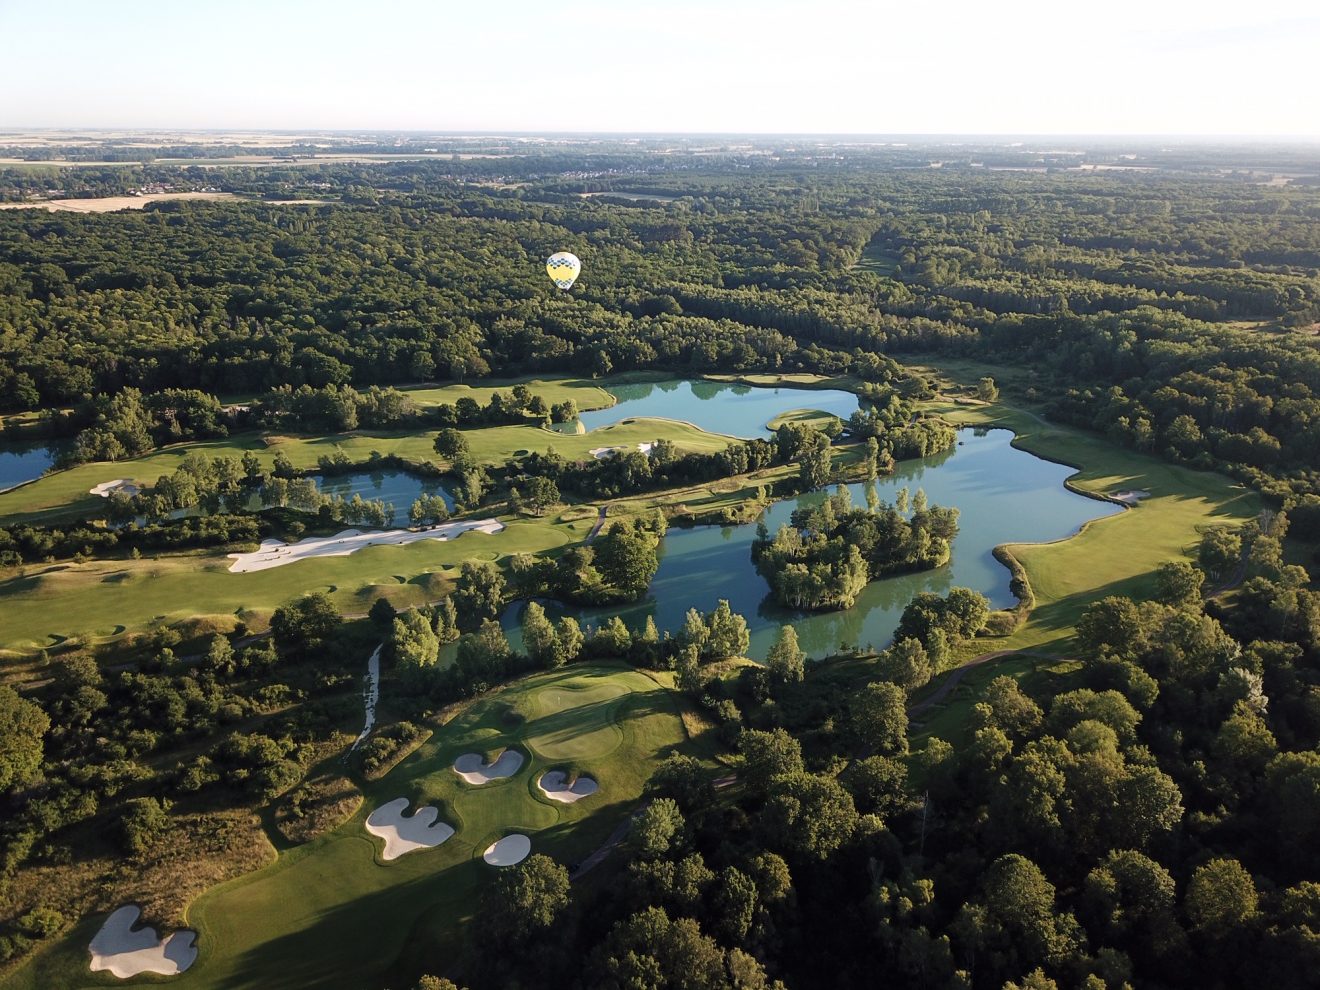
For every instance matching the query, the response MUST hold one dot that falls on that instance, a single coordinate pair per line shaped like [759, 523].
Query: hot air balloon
[563, 269]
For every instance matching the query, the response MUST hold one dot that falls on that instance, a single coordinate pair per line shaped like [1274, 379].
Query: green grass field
[875, 259]
[44, 604]
[302, 921]
[814, 418]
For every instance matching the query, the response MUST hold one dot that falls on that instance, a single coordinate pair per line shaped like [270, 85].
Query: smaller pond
[20, 464]
[398, 487]
[717, 407]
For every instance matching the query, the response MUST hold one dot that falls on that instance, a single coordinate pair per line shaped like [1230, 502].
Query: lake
[1004, 495]
[398, 487]
[717, 407]
[20, 464]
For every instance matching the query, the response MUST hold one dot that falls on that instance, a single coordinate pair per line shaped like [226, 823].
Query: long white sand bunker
[273, 553]
[473, 769]
[126, 951]
[107, 488]
[602, 452]
[554, 785]
[1132, 496]
[407, 833]
[508, 851]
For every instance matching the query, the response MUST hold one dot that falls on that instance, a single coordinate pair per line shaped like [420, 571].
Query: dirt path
[600, 521]
[617, 836]
[956, 675]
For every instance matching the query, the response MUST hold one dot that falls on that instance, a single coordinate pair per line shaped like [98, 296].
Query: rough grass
[301, 922]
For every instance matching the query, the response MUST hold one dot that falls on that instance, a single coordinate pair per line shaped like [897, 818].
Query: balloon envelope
[563, 269]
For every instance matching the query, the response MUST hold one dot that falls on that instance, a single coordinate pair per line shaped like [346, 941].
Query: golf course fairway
[300, 921]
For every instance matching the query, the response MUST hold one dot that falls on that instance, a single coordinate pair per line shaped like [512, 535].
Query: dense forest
[1174, 312]
[1144, 816]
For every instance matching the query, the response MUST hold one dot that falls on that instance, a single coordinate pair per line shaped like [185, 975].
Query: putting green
[332, 914]
[576, 723]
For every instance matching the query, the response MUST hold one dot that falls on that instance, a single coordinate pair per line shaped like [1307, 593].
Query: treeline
[30, 544]
[832, 550]
[110, 428]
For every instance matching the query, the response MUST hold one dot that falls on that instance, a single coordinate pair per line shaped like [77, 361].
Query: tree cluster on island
[831, 550]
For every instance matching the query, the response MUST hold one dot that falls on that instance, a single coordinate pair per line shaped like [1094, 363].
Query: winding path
[954, 678]
[600, 521]
[596, 858]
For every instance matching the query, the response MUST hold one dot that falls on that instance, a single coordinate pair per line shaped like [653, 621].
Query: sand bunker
[508, 851]
[273, 553]
[407, 833]
[126, 952]
[554, 785]
[473, 769]
[107, 488]
[602, 452]
[1132, 496]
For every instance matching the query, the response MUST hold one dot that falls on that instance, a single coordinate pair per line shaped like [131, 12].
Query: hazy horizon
[839, 68]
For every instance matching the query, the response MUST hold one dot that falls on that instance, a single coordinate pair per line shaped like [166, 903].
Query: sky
[1202, 67]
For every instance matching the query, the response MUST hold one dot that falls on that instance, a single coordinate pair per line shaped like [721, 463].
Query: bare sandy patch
[554, 785]
[602, 452]
[407, 833]
[273, 553]
[108, 204]
[126, 951]
[508, 851]
[107, 488]
[1132, 496]
[474, 770]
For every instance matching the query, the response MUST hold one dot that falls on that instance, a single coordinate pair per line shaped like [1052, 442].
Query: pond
[1004, 495]
[717, 407]
[398, 487]
[20, 464]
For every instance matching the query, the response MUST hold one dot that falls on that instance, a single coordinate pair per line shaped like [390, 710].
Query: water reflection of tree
[705, 390]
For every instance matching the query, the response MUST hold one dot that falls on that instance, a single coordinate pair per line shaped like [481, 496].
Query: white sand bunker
[603, 452]
[1131, 496]
[508, 851]
[473, 769]
[554, 785]
[273, 553]
[126, 951]
[407, 833]
[107, 488]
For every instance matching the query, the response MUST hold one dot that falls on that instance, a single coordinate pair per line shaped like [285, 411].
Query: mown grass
[814, 418]
[330, 914]
[44, 604]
